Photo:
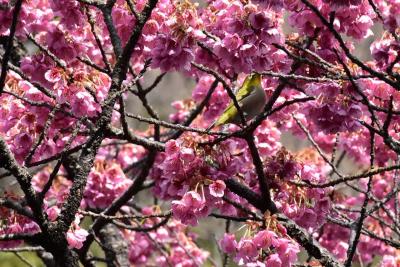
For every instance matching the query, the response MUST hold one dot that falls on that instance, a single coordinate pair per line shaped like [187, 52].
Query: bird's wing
[231, 112]
[244, 90]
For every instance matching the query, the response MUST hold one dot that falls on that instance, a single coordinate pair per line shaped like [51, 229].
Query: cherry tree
[70, 68]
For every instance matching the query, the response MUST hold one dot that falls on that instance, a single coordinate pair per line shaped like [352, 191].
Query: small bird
[251, 99]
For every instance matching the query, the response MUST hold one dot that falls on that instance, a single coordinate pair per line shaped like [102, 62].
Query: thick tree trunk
[115, 246]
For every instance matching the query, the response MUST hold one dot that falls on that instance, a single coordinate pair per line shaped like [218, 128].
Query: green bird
[251, 99]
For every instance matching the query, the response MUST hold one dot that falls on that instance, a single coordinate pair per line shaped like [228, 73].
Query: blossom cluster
[263, 248]
[243, 35]
[166, 246]
[105, 183]
[13, 223]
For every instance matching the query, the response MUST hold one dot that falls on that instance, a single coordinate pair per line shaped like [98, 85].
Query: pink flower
[193, 200]
[189, 208]
[217, 188]
[105, 183]
[246, 251]
[392, 20]
[308, 219]
[228, 243]
[169, 53]
[232, 41]
[75, 238]
[52, 213]
[23, 141]
[286, 250]
[260, 20]
[384, 52]
[171, 147]
[389, 261]
[62, 44]
[187, 154]
[275, 4]
[341, 250]
[283, 165]
[53, 75]
[124, 22]
[22, 144]
[30, 227]
[36, 66]
[343, 2]
[69, 11]
[140, 249]
[274, 261]
[380, 187]
[11, 229]
[335, 115]
[263, 239]
[83, 104]
[182, 250]
[361, 27]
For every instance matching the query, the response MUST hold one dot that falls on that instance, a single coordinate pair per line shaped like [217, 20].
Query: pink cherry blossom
[228, 243]
[263, 239]
[246, 251]
[274, 260]
[76, 237]
[217, 188]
